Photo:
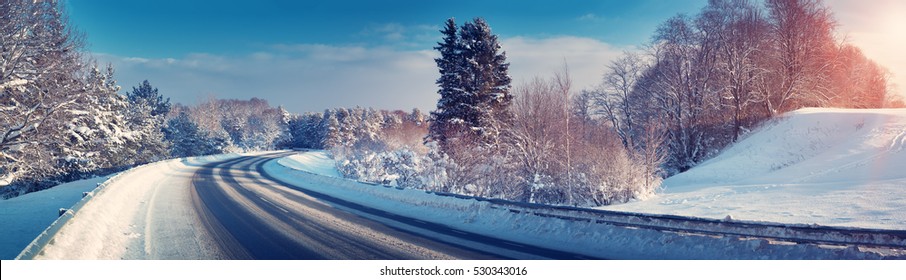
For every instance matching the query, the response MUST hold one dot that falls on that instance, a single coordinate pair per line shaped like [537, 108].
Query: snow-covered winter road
[144, 213]
[232, 209]
[252, 215]
[277, 205]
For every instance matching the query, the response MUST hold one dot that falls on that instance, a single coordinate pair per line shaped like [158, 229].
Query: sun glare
[883, 37]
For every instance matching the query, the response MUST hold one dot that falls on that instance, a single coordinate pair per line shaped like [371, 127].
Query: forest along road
[251, 215]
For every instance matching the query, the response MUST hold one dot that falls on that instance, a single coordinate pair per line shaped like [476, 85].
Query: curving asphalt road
[252, 215]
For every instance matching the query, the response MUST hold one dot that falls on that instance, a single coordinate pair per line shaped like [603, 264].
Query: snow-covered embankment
[834, 167]
[588, 238]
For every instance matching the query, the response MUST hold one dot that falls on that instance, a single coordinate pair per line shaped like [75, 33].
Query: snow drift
[839, 167]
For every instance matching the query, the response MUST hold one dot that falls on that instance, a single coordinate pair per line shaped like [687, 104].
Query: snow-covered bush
[402, 167]
[526, 166]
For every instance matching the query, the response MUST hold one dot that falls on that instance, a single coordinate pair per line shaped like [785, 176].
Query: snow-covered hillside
[839, 167]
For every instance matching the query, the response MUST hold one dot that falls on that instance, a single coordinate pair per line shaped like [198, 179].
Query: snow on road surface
[24, 217]
[148, 207]
[835, 167]
[587, 238]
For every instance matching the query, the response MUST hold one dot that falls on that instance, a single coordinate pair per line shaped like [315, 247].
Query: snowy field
[835, 167]
[24, 217]
[591, 239]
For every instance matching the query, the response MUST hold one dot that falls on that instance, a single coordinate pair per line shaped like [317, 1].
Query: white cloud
[589, 17]
[135, 59]
[391, 31]
[585, 57]
[312, 77]
[403, 35]
[306, 78]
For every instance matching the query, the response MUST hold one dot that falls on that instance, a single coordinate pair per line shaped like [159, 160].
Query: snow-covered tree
[279, 129]
[742, 41]
[682, 88]
[474, 86]
[446, 120]
[615, 98]
[187, 139]
[39, 76]
[801, 55]
[538, 140]
[147, 96]
[304, 131]
[858, 82]
[240, 125]
[541, 141]
[98, 135]
[146, 115]
[487, 80]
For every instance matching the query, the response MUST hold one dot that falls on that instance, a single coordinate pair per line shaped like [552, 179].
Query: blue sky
[312, 55]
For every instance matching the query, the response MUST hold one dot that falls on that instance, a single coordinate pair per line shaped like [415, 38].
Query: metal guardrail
[797, 233]
[37, 245]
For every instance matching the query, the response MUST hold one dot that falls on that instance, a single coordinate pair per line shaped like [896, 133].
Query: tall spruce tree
[474, 86]
[488, 81]
[446, 117]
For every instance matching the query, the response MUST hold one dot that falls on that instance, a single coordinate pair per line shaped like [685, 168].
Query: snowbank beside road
[315, 162]
[588, 238]
[138, 208]
[836, 167]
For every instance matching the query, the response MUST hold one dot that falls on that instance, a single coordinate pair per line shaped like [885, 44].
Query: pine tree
[145, 95]
[445, 118]
[304, 131]
[145, 115]
[329, 129]
[489, 81]
[97, 132]
[474, 86]
[186, 139]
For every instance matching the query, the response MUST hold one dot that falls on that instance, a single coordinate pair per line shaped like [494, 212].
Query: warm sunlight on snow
[845, 164]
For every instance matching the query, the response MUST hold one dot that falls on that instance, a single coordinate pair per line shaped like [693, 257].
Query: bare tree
[858, 82]
[563, 157]
[615, 96]
[537, 133]
[682, 87]
[741, 38]
[800, 57]
[564, 84]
